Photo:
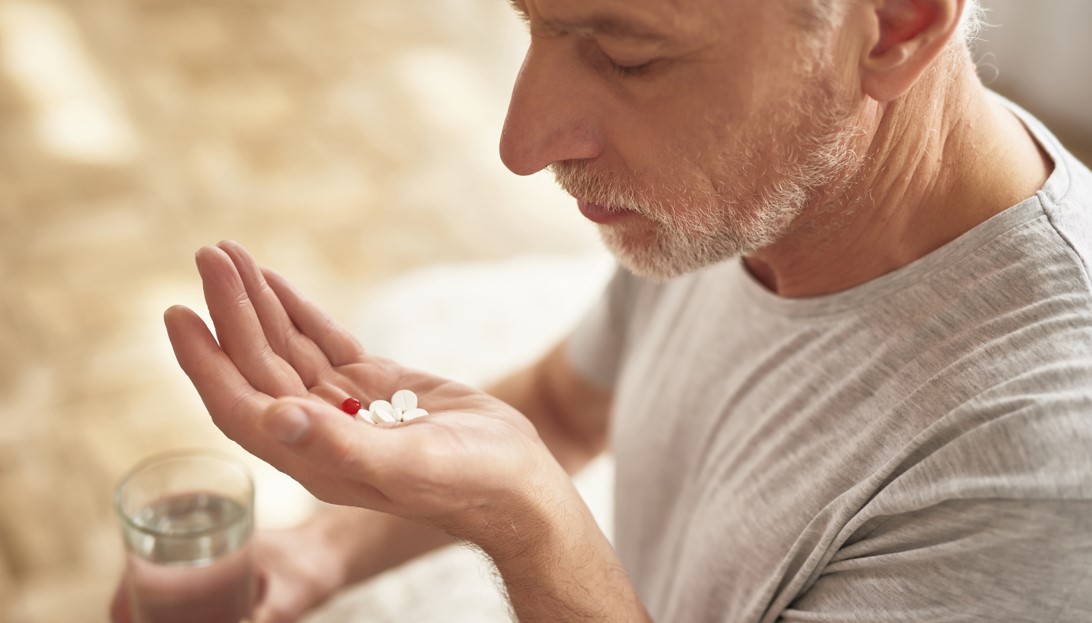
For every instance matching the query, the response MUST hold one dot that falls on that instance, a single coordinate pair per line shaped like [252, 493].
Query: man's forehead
[623, 18]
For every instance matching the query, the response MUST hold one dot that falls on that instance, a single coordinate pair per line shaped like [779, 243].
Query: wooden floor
[343, 141]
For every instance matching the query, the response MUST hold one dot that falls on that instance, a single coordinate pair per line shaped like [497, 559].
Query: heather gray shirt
[915, 449]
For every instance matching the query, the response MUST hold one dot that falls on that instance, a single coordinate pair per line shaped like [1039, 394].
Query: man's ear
[904, 38]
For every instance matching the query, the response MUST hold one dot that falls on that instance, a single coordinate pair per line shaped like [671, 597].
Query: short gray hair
[974, 18]
[822, 12]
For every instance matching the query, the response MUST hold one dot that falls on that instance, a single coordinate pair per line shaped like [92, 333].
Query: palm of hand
[470, 440]
[276, 349]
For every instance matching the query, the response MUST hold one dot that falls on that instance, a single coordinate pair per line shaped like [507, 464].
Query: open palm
[276, 352]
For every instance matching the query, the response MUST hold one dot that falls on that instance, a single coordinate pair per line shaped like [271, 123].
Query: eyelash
[630, 71]
[605, 60]
[623, 71]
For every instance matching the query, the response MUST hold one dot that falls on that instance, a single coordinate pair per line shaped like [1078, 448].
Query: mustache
[580, 180]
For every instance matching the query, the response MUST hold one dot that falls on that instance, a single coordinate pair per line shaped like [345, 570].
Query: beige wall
[1040, 53]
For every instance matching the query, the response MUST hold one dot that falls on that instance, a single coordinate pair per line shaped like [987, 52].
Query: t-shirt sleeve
[962, 560]
[596, 345]
[992, 521]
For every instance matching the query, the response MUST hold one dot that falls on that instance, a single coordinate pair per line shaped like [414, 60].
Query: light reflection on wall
[75, 116]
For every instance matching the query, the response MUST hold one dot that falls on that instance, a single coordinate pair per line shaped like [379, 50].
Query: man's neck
[935, 168]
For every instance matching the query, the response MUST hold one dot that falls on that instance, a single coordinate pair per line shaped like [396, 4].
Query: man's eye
[606, 62]
[630, 70]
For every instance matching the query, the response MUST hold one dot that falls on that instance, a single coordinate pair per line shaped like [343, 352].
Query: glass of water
[186, 519]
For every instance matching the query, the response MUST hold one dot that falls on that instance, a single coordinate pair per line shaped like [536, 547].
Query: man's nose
[549, 117]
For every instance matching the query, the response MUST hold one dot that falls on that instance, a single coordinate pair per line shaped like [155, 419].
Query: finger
[230, 399]
[282, 335]
[278, 608]
[119, 606]
[239, 329]
[278, 604]
[263, 612]
[235, 406]
[262, 588]
[361, 457]
[340, 346]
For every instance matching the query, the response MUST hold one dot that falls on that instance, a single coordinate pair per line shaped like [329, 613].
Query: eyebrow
[606, 25]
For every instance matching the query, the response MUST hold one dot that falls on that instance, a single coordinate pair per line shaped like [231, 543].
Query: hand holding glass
[187, 518]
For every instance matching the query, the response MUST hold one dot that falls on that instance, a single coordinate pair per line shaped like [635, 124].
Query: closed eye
[631, 70]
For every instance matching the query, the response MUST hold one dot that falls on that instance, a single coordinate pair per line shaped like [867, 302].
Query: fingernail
[287, 424]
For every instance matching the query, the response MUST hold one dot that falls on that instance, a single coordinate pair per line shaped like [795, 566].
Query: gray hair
[822, 12]
[974, 18]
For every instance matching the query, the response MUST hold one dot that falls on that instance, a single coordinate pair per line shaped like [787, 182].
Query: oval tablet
[382, 410]
[404, 400]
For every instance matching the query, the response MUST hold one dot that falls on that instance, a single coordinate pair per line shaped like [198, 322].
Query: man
[846, 372]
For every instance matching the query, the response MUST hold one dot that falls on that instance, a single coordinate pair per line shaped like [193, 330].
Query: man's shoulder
[1066, 198]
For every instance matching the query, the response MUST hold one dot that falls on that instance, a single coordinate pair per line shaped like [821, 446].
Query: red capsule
[351, 406]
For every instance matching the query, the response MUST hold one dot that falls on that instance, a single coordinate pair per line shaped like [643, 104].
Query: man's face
[691, 130]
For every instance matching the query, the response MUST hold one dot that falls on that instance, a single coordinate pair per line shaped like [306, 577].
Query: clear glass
[186, 520]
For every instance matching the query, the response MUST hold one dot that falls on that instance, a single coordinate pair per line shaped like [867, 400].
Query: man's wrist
[556, 564]
[528, 517]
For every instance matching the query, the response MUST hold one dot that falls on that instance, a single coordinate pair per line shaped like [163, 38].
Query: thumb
[119, 606]
[279, 607]
[322, 436]
[262, 613]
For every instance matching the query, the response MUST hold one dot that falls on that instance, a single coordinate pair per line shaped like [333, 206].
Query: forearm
[557, 566]
[571, 424]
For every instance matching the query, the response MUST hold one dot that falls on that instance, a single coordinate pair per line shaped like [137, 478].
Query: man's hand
[281, 365]
[296, 572]
[474, 468]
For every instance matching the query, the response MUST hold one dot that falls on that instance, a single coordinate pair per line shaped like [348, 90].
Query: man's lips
[601, 214]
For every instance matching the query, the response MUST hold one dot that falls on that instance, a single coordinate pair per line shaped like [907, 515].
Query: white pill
[382, 410]
[404, 400]
[413, 414]
[364, 416]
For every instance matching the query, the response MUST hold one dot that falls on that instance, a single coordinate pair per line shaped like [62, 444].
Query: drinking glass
[186, 520]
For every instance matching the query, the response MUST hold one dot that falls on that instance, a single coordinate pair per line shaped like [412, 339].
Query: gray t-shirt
[915, 449]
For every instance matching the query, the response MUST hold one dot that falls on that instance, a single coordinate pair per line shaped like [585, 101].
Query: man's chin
[646, 253]
[645, 258]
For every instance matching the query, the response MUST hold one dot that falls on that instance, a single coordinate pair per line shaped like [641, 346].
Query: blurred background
[352, 145]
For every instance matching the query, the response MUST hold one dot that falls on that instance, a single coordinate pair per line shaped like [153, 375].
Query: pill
[413, 414]
[364, 416]
[382, 410]
[351, 406]
[404, 400]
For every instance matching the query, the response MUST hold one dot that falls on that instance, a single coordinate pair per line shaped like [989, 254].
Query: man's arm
[476, 468]
[557, 565]
[570, 413]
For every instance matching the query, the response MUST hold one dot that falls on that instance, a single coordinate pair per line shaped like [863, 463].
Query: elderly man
[846, 370]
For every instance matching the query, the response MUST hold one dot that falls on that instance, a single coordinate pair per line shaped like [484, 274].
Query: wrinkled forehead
[683, 16]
